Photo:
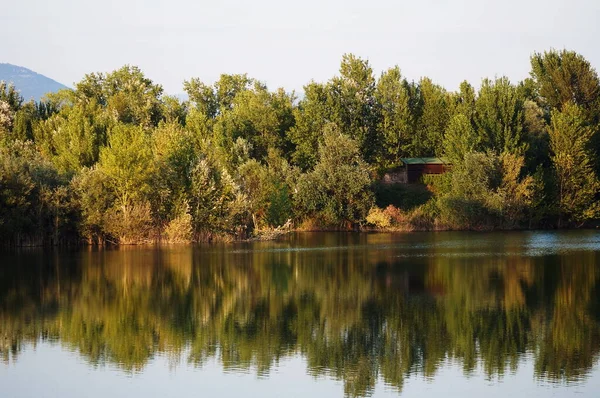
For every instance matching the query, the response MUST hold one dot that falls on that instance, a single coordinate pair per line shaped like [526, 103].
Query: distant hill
[29, 83]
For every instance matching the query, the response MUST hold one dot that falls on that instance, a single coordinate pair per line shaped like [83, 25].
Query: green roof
[424, 160]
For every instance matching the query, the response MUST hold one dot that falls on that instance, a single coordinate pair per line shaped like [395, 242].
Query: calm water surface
[321, 315]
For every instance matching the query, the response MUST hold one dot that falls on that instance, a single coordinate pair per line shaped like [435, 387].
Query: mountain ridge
[30, 84]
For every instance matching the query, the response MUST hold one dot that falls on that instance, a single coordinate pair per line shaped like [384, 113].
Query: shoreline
[267, 236]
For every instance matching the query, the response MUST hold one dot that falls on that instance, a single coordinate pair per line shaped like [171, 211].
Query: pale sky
[286, 44]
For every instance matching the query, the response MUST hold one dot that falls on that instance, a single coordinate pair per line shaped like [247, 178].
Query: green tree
[337, 191]
[353, 103]
[577, 184]
[565, 77]
[433, 117]
[217, 205]
[174, 157]
[72, 137]
[129, 166]
[258, 116]
[499, 116]
[311, 115]
[485, 191]
[397, 121]
[126, 94]
[25, 118]
[460, 138]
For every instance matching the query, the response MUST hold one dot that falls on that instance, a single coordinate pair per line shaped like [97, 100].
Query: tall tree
[565, 77]
[499, 116]
[128, 163]
[311, 115]
[433, 118]
[127, 94]
[354, 105]
[578, 187]
[396, 122]
[460, 138]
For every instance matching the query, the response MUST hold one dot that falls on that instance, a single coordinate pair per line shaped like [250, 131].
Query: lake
[314, 314]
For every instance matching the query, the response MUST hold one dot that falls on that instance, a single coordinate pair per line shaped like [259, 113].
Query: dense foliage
[116, 160]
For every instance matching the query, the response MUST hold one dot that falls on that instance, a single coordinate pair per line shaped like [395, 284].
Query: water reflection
[358, 308]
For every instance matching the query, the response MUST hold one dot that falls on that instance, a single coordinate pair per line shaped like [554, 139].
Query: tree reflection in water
[358, 308]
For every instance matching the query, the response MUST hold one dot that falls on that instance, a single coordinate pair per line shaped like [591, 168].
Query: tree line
[117, 160]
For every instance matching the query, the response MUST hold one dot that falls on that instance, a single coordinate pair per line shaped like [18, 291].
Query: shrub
[379, 218]
[129, 224]
[179, 230]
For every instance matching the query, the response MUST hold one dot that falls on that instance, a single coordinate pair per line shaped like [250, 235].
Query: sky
[287, 44]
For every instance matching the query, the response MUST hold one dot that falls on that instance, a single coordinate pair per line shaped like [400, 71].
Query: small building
[412, 169]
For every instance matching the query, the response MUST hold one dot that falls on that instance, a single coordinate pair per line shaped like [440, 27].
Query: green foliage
[396, 121]
[217, 205]
[353, 104]
[10, 95]
[337, 191]
[577, 185]
[485, 191]
[95, 197]
[128, 163]
[311, 114]
[404, 196]
[460, 138]
[564, 77]
[280, 205]
[433, 117]
[499, 117]
[174, 156]
[133, 165]
[24, 121]
[72, 138]
[35, 204]
[126, 94]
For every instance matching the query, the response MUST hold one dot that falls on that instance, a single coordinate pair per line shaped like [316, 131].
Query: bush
[379, 218]
[179, 230]
[129, 224]
[402, 196]
[424, 217]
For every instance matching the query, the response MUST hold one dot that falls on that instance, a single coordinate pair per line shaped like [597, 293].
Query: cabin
[412, 169]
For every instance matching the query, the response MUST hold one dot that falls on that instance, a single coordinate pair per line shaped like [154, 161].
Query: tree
[337, 191]
[25, 118]
[499, 116]
[126, 94]
[353, 104]
[10, 95]
[259, 117]
[174, 157]
[311, 115]
[564, 77]
[6, 119]
[396, 122]
[485, 190]
[217, 205]
[72, 138]
[464, 100]
[578, 185]
[460, 138]
[35, 206]
[432, 120]
[536, 136]
[128, 164]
